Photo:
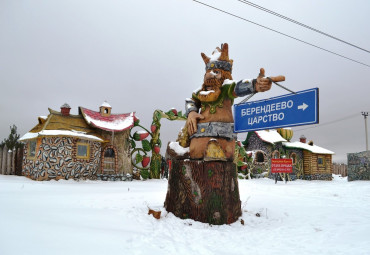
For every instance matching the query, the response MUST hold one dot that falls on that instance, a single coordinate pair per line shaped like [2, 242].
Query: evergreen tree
[12, 141]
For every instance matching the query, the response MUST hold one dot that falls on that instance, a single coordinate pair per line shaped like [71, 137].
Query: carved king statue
[203, 185]
[210, 123]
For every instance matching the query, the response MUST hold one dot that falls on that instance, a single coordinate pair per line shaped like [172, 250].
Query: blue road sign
[288, 110]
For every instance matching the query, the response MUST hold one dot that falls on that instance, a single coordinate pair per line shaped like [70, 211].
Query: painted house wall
[298, 168]
[258, 145]
[56, 159]
[255, 143]
[121, 144]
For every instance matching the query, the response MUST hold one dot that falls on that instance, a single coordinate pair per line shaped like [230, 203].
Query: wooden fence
[11, 161]
[340, 169]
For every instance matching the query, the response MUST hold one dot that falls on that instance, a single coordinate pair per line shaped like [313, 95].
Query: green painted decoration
[139, 154]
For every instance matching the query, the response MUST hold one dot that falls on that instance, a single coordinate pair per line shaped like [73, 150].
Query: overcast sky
[145, 55]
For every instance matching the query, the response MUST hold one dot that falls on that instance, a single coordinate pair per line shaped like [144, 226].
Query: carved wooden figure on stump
[203, 184]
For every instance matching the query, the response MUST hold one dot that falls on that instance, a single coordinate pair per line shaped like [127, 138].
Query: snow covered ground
[95, 217]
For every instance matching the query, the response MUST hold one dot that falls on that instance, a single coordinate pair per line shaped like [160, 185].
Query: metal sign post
[301, 108]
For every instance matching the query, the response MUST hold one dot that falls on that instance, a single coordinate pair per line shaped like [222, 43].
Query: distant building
[310, 162]
[90, 145]
[358, 166]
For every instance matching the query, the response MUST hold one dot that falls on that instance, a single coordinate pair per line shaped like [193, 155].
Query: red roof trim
[95, 119]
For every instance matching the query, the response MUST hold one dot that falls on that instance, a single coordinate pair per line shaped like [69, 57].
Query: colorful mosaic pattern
[56, 159]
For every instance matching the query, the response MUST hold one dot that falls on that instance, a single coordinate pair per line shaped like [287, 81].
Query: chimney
[105, 109]
[302, 139]
[65, 109]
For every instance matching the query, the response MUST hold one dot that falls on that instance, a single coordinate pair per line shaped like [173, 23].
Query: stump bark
[205, 191]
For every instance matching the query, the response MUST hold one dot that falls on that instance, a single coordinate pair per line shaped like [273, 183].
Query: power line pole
[365, 114]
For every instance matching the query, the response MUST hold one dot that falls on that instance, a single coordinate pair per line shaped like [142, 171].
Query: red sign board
[281, 165]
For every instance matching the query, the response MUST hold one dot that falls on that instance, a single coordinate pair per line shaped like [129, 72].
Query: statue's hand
[262, 84]
[192, 122]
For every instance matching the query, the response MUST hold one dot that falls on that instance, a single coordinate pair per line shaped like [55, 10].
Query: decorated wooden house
[91, 145]
[310, 162]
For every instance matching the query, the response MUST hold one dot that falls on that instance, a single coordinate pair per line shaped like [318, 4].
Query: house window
[109, 153]
[32, 149]
[260, 158]
[276, 154]
[320, 161]
[293, 156]
[83, 150]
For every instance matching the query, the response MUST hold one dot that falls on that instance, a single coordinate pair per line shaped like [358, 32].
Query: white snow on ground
[95, 217]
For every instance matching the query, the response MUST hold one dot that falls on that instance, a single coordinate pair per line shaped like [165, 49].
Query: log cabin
[310, 162]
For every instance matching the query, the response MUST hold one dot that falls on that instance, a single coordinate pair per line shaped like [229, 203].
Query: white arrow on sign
[302, 107]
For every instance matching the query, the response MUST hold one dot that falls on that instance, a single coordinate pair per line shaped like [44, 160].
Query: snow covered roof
[113, 122]
[73, 133]
[271, 136]
[105, 104]
[56, 124]
[28, 136]
[312, 148]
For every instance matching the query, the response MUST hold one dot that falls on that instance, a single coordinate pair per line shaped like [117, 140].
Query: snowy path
[91, 217]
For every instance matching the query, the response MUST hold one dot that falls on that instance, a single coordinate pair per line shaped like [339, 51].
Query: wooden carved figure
[204, 186]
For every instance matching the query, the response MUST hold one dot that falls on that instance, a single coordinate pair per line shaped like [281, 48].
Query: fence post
[9, 162]
[14, 153]
[3, 163]
[18, 162]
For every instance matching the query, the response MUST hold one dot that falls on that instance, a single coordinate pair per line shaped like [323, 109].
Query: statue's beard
[211, 90]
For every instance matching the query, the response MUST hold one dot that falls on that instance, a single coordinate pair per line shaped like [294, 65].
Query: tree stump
[205, 191]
